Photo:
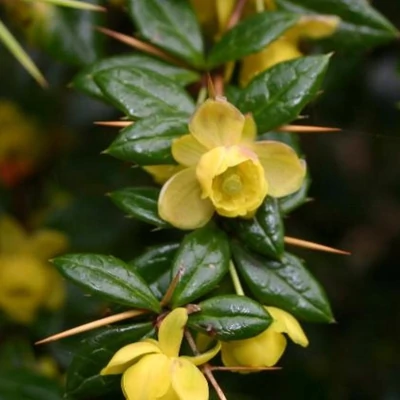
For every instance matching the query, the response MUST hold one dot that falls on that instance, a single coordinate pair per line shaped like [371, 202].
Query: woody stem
[206, 367]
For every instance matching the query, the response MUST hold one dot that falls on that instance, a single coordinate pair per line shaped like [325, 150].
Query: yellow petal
[148, 379]
[47, 243]
[224, 12]
[278, 51]
[171, 332]
[284, 170]
[187, 150]
[56, 289]
[180, 202]
[264, 350]
[161, 173]
[313, 27]
[217, 123]
[12, 236]
[187, 381]
[285, 322]
[249, 133]
[204, 357]
[127, 355]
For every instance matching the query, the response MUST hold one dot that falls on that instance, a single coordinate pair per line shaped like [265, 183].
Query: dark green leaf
[289, 203]
[21, 384]
[154, 266]
[285, 284]
[361, 24]
[109, 278]
[264, 232]
[251, 36]
[171, 25]
[84, 80]
[148, 141]
[68, 34]
[139, 202]
[230, 317]
[277, 95]
[202, 261]
[83, 376]
[140, 93]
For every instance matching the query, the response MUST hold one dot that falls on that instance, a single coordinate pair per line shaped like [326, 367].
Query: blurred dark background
[355, 206]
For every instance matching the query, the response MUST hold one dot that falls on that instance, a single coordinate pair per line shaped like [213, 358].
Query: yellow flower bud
[266, 349]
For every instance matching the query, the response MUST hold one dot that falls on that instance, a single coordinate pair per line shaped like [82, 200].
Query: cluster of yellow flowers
[27, 281]
[153, 370]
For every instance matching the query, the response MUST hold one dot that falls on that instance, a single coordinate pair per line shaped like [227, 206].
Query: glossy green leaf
[289, 203]
[148, 141]
[67, 34]
[361, 24]
[285, 284]
[171, 25]
[230, 317]
[83, 375]
[84, 80]
[140, 93]
[264, 232]
[202, 260]
[109, 278]
[277, 95]
[140, 203]
[250, 36]
[154, 265]
[23, 384]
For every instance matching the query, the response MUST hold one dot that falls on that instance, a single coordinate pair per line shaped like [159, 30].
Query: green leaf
[230, 317]
[68, 34]
[285, 284]
[83, 375]
[202, 260]
[154, 266]
[141, 203]
[148, 141]
[171, 25]
[251, 36]
[23, 384]
[276, 96]
[84, 81]
[140, 93]
[109, 278]
[264, 232]
[289, 203]
[361, 24]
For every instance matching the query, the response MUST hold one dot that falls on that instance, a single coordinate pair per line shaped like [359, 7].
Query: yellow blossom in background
[20, 145]
[226, 170]
[287, 47]
[153, 370]
[266, 349]
[27, 281]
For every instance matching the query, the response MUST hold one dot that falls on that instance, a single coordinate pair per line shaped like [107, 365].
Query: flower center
[232, 184]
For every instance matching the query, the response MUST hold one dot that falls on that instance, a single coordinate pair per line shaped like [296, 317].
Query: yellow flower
[287, 47]
[266, 349]
[153, 370]
[226, 170]
[161, 173]
[27, 281]
[20, 144]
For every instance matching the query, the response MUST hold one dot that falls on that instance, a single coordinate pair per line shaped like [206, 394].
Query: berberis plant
[207, 101]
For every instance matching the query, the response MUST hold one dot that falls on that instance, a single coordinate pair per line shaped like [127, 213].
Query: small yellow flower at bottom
[225, 169]
[266, 349]
[153, 370]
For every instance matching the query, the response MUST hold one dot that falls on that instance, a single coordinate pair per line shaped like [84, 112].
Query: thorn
[138, 44]
[172, 286]
[210, 86]
[314, 246]
[307, 129]
[116, 124]
[92, 325]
